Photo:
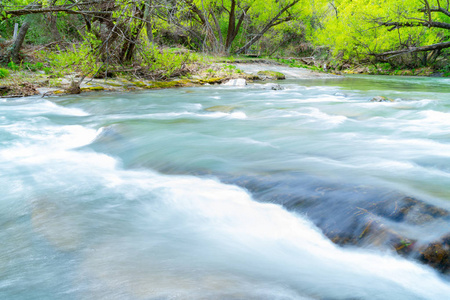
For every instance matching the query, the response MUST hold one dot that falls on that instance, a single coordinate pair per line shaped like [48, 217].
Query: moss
[252, 77]
[140, 84]
[114, 84]
[93, 88]
[272, 75]
[163, 84]
[211, 80]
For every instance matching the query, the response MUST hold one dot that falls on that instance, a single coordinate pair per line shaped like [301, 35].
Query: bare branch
[390, 54]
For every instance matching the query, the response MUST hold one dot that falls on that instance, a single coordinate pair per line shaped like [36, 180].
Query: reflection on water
[117, 196]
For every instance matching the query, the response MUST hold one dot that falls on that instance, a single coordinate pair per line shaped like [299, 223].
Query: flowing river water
[133, 196]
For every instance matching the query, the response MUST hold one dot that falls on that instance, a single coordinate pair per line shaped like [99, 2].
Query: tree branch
[390, 54]
[274, 21]
[395, 25]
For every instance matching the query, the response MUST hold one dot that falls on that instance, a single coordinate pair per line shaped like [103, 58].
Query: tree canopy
[349, 29]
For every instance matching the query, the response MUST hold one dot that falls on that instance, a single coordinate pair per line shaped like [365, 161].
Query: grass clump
[4, 73]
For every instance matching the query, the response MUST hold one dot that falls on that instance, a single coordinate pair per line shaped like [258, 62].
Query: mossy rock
[164, 84]
[271, 75]
[114, 84]
[251, 77]
[215, 80]
[93, 88]
[140, 84]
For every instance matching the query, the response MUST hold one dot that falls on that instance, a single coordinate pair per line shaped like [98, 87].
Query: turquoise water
[117, 196]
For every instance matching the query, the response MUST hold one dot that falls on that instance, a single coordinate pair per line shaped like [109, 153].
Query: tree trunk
[275, 21]
[15, 51]
[231, 24]
[148, 20]
[53, 28]
[130, 43]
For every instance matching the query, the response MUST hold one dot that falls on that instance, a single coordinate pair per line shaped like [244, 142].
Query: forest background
[160, 39]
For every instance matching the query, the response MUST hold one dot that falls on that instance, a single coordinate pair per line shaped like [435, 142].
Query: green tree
[215, 25]
[358, 29]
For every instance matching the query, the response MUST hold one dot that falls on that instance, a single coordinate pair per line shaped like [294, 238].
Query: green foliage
[47, 70]
[13, 66]
[164, 61]
[351, 28]
[77, 58]
[229, 67]
[4, 73]
[295, 64]
[33, 67]
[210, 72]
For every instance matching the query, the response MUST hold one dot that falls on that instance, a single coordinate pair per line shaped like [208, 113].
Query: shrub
[78, 58]
[164, 62]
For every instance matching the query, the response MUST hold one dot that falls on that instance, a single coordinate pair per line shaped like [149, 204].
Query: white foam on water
[255, 142]
[434, 118]
[312, 114]
[36, 143]
[322, 99]
[404, 104]
[411, 148]
[201, 230]
[42, 106]
[207, 115]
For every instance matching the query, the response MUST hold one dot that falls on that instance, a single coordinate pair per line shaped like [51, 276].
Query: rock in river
[359, 215]
[381, 99]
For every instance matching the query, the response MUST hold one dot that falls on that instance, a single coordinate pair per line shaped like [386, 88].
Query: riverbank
[26, 83]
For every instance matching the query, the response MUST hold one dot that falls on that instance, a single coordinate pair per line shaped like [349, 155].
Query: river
[136, 196]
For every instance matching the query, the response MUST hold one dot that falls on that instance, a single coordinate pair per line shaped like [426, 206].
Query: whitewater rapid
[98, 201]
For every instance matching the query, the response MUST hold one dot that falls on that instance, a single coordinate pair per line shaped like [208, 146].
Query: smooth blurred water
[116, 196]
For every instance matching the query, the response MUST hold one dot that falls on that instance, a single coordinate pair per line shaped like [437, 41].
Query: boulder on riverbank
[235, 82]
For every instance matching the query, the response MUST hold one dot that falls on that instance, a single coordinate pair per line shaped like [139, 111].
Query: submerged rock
[359, 215]
[273, 86]
[221, 108]
[58, 227]
[437, 254]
